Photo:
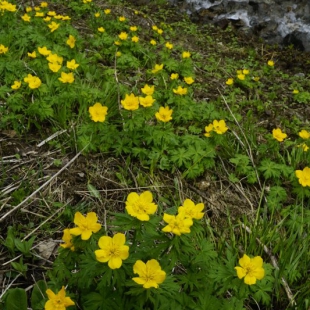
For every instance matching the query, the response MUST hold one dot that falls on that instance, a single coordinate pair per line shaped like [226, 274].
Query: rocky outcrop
[277, 22]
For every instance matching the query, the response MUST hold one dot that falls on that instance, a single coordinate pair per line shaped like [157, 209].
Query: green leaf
[270, 169]
[38, 295]
[93, 191]
[16, 299]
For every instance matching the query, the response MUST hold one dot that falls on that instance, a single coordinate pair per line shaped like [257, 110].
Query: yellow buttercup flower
[28, 9]
[270, 63]
[133, 28]
[33, 81]
[241, 77]
[54, 66]
[16, 85]
[97, 14]
[53, 26]
[146, 101]
[118, 54]
[155, 28]
[101, 29]
[169, 45]
[186, 54]
[86, 226]
[148, 90]
[150, 273]
[230, 81]
[117, 43]
[245, 71]
[174, 76]
[160, 31]
[219, 126]
[303, 176]
[47, 18]
[304, 134]
[6, 6]
[153, 42]
[278, 134]
[256, 78]
[122, 18]
[295, 91]
[3, 49]
[191, 210]
[157, 68]
[54, 58]
[164, 114]
[131, 102]
[71, 41]
[208, 130]
[44, 4]
[39, 14]
[58, 17]
[123, 36]
[251, 269]
[67, 239]
[66, 17]
[141, 206]
[112, 250]
[180, 91]
[26, 18]
[98, 112]
[44, 51]
[72, 65]
[189, 80]
[37, 8]
[58, 301]
[107, 11]
[177, 224]
[135, 39]
[66, 77]
[304, 147]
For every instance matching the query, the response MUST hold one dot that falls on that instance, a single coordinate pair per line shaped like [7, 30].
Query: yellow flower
[71, 41]
[133, 28]
[148, 90]
[157, 68]
[208, 130]
[256, 78]
[136, 12]
[86, 1]
[230, 81]
[131, 102]
[44, 4]
[174, 76]
[164, 114]
[101, 29]
[122, 18]
[58, 301]
[150, 274]
[155, 28]
[239, 72]
[219, 126]
[295, 91]
[189, 80]
[304, 134]
[135, 39]
[251, 269]
[66, 17]
[66, 77]
[169, 45]
[16, 85]
[278, 134]
[26, 18]
[123, 36]
[67, 238]
[86, 225]
[107, 11]
[36, 8]
[54, 66]
[39, 14]
[153, 42]
[3, 49]
[72, 65]
[177, 224]
[146, 101]
[54, 58]
[44, 51]
[245, 71]
[186, 54]
[191, 210]
[304, 146]
[241, 77]
[47, 18]
[141, 206]
[98, 112]
[112, 250]
[33, 81]
[160, 31]
[270, 63]
[53, 26]
[28, 9]
[180, 91]
[58, 17]
[118, 54]
[117, 43]
[303, 176]
[97, 14]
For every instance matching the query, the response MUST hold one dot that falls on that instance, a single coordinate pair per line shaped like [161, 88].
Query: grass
[56, 160]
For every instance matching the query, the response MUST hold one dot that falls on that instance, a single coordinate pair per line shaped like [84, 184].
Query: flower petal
[119, 239]
[139, 267]
[105, 242]
[75, 231]
[86, 234]
[249, 279]
[147, 196]
[241, 273]
[139, 280]
[132, 197]
[78, 218]
[244, 261]
[257, 261]
[115, 262]
[101, 256]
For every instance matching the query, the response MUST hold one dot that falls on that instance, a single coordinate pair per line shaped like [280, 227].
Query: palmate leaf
[270, 169]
